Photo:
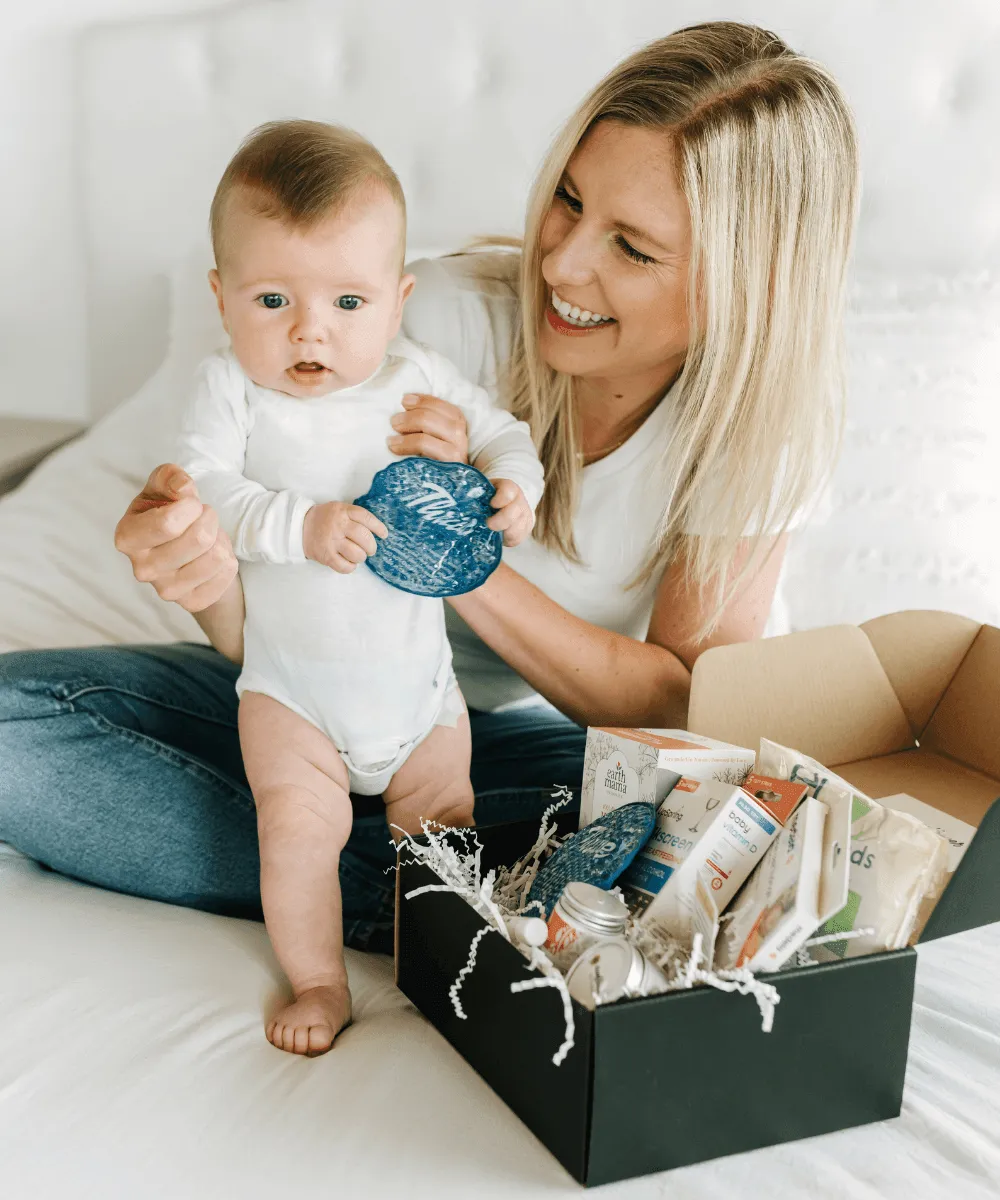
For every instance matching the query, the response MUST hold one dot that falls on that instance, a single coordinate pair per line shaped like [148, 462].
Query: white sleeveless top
[472, 323]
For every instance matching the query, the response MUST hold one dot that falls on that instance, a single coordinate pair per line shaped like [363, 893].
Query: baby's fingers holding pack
[514, 517]
[340, 536]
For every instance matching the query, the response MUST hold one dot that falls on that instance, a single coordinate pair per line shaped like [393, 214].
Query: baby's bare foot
[311, 1022]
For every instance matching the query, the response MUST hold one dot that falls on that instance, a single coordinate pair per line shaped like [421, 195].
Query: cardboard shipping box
[909, 702]
[905, 703]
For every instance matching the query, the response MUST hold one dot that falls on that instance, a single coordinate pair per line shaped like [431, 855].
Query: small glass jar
[610, 970]
[583, 915]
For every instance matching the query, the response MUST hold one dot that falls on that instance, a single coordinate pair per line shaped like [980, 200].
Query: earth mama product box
[621, 766]
[906, 703]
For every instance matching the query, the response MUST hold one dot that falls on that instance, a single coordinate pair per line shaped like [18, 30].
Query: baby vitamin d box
[622, 766]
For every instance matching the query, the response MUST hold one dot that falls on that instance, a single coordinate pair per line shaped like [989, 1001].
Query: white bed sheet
[133, 1066]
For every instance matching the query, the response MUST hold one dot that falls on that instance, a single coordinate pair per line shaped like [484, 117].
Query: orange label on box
[781, 797]
[651, 739]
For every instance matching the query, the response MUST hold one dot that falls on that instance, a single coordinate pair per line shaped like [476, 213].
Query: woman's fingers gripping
[166, 507]
[201, 581]
[176, 553]
[430, 427]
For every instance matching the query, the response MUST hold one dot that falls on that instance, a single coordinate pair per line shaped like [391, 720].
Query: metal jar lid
[608, 970]
[594, 908]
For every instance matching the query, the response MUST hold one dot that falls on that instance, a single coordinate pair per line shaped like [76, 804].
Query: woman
[670, 331]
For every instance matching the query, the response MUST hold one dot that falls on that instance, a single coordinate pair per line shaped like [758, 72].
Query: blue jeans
[121, 766]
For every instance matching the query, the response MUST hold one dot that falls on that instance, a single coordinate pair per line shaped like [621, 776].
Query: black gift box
[664, 1081]
[907, 702]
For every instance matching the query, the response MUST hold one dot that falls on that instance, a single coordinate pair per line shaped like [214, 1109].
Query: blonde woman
[670, 330]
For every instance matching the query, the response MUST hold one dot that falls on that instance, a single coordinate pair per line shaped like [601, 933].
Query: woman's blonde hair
[767, 157]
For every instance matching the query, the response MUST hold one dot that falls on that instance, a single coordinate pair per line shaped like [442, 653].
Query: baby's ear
[215, 282]
[406, 285]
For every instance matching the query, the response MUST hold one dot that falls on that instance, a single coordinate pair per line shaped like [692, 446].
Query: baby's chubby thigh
[433, 784]
[295, 772]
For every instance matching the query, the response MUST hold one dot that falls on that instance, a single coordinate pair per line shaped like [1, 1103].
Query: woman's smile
[568, 318]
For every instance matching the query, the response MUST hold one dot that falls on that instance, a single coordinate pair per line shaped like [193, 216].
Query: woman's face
[615, 244]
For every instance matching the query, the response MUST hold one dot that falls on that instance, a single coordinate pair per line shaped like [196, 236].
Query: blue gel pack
[596, 854]
[436, 514]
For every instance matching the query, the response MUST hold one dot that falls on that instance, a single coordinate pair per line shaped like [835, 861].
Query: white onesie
[366, 663]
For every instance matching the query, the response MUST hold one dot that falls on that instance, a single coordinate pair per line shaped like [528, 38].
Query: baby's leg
[299, 784]
[433, 784]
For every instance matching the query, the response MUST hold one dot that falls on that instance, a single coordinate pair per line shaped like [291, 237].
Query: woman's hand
[174, 541]
[431, 428]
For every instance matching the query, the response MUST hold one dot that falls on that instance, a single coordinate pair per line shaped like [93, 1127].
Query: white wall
[41, 335]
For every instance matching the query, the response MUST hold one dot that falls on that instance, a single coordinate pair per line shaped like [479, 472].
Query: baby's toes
[319, 1039]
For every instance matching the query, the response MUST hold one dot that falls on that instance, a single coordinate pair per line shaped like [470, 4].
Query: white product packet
[956, 833]
[898, 864]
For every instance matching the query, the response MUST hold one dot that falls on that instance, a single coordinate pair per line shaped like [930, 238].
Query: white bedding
[133, 1066]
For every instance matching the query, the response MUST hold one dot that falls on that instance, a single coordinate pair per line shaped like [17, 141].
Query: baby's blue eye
[350, 303]
[272, 300]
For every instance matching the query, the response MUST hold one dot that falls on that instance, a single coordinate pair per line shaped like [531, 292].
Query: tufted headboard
[462, 98]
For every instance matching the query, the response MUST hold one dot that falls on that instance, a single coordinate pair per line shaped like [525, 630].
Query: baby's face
[311, 311]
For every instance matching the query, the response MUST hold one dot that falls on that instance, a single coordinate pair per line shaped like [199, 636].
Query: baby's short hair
[301, 172]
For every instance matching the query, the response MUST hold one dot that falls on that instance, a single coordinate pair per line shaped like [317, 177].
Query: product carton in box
[906, 703]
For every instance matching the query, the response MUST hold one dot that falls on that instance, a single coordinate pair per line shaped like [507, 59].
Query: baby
[347, 682]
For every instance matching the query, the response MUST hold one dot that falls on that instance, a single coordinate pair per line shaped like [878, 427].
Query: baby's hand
[514, 517]
[340, 535]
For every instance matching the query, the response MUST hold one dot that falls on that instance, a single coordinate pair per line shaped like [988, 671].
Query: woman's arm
[222, 622]
[597, 677]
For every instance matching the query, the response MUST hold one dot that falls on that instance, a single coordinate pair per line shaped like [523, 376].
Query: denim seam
[177, 757]
[120, 691]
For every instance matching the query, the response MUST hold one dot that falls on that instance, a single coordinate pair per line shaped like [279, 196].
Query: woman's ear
[215, 282]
